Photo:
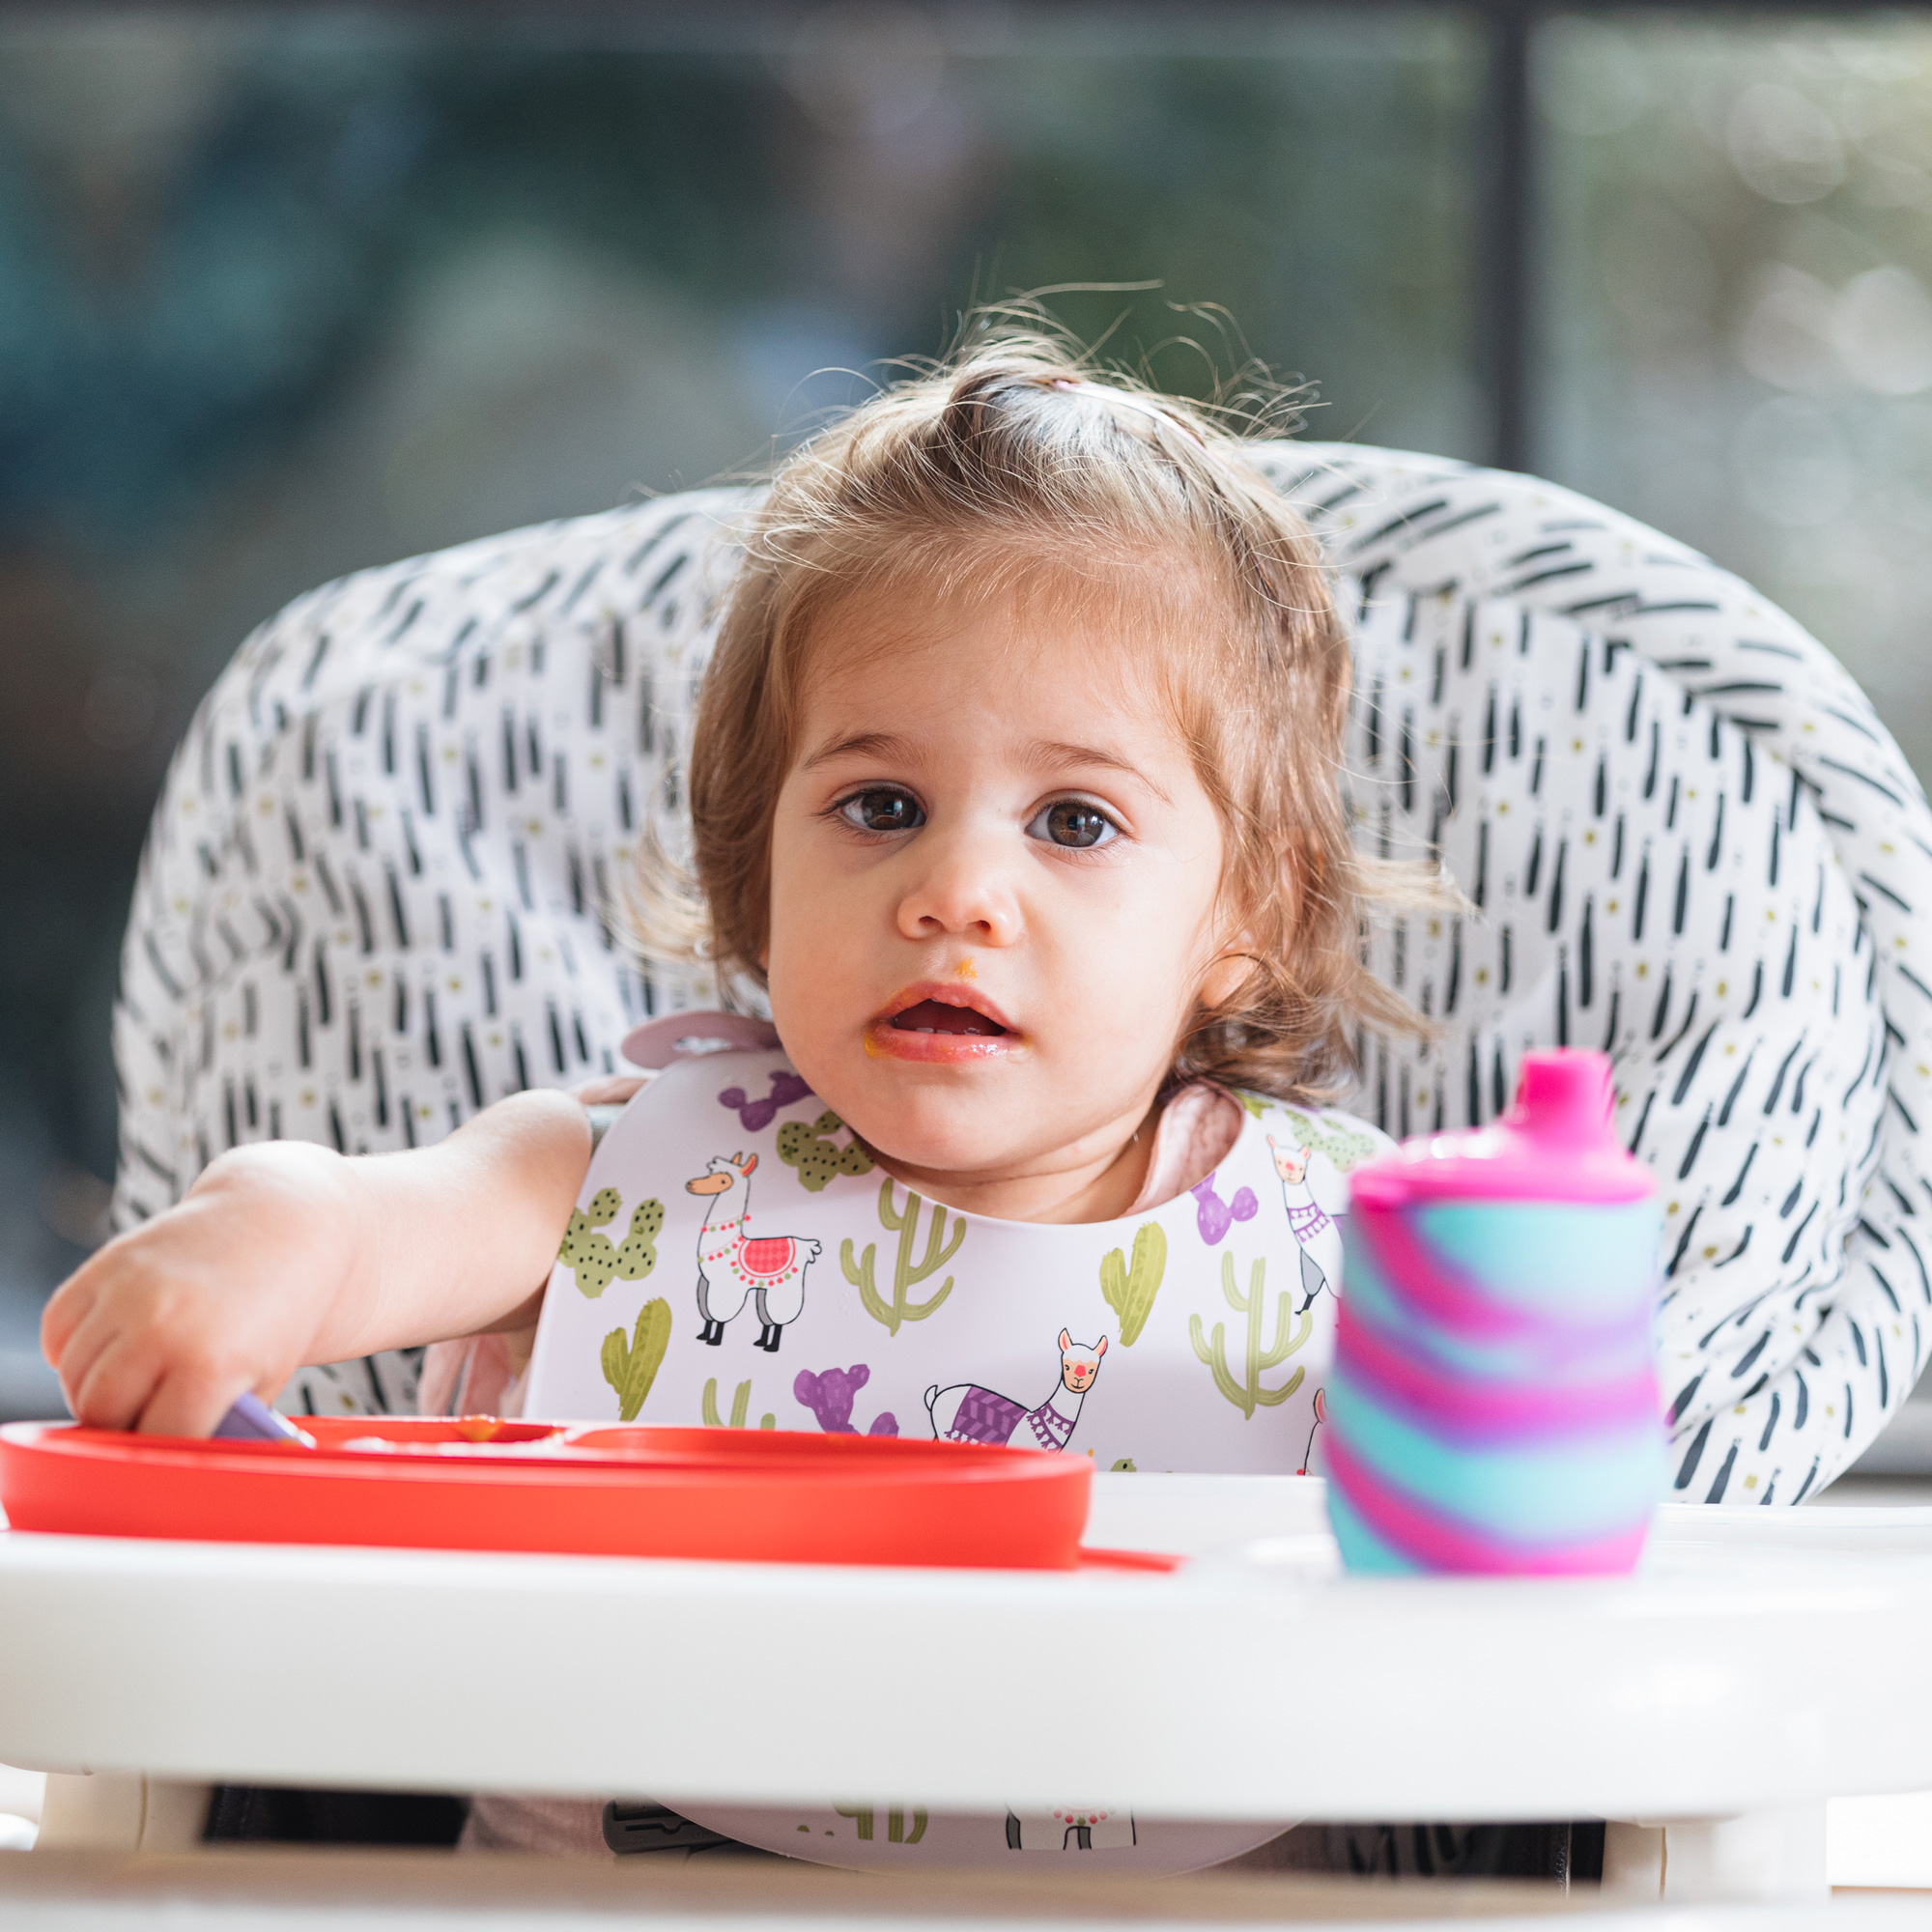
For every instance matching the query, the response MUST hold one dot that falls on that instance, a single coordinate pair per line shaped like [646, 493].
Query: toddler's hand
[169, 1323]
[611, 1090]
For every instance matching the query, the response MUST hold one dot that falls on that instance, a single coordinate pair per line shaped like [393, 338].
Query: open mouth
[938, 1025]
[937, 1016]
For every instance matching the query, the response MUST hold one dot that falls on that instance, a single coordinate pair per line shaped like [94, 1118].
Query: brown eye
[882, 811]
[1075, 824]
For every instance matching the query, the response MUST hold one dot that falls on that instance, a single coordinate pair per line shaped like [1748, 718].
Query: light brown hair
[1011, 466]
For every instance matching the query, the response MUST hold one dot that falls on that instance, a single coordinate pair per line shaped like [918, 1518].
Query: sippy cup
[1494, 1405]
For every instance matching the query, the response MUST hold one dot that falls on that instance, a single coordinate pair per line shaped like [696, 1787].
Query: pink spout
[1563, 1097]
[1557, 1144]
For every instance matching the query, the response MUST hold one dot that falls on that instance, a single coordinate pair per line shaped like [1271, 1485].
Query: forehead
[1037, 630]
[990, 685]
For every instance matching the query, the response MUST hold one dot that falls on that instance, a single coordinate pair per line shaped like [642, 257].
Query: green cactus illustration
[906, 1272]
[1343, 1149]
[632, 1367]
[741, 1404]
[1131, 1289]
[590, 1254]
[862, 1815]
[1246, 1395]
[638, 1255]
[807, 1148]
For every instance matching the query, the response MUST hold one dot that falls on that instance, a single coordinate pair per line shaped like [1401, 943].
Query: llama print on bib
[734, 1266]
[966, 1413]
[1217, 1307]
[1071, 1827]
[1308, 1221]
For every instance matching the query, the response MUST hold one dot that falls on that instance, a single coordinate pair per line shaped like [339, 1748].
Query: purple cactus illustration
[787, 1087]
[1214, 1216]
[829, 1397]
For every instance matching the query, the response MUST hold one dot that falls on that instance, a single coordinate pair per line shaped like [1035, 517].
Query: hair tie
[1079, 386]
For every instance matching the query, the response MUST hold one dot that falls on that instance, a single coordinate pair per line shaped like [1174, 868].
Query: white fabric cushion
[370, 903]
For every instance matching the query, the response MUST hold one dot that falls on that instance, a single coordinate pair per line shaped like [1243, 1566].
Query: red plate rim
[733, 1457]
[775, 1476]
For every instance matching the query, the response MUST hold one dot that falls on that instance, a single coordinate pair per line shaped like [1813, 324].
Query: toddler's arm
[284, 1253]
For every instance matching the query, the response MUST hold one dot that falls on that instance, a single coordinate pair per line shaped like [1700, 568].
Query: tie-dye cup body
[1494, 1405]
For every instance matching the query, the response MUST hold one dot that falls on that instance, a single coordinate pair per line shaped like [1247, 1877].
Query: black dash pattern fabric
[385, 883]
[383, 889]
[1688, 841]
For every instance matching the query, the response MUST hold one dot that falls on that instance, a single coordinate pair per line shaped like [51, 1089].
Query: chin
[947, 1132]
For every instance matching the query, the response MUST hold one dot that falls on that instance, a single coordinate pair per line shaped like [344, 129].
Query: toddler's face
[995, 879]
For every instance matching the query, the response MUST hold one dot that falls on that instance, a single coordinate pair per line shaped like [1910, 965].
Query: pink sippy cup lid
[1556, 1142]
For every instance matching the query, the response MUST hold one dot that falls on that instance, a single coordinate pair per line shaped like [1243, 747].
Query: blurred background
[289, 289]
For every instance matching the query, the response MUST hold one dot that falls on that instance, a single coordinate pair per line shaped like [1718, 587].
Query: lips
[940, 1023]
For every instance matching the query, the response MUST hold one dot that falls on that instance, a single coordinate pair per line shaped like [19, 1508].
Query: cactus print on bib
[787, 1273]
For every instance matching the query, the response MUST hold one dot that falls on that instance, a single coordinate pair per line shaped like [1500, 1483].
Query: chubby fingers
[190, 1401]
[121, 1380]
[136, 1349]
[74, 1333]
[67, 1310]
[112, 1381]
[611, 1090]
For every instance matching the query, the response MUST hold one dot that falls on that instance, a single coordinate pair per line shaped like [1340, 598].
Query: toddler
[1014, 786]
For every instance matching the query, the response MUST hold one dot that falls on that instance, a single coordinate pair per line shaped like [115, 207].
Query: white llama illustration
[734, 1266]
[1308, 1221]
[1071, 1827]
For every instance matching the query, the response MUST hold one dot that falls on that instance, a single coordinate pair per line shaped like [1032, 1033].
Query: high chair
[384, 875]
[1252, 1684]
[384, 882]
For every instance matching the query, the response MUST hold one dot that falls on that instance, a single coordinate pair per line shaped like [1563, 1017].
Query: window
[286, 293]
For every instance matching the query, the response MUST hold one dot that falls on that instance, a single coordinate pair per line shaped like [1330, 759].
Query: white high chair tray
[1256, 1682]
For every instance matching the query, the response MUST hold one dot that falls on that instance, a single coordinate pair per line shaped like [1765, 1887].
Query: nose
[960, 885]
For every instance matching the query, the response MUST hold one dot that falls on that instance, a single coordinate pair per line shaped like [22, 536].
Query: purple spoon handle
[252, 1420]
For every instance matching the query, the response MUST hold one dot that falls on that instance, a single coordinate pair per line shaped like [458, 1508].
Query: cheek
[802, 920]
[823, 939]
[1135, 956]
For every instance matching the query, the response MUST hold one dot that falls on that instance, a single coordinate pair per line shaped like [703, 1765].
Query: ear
[1101, 1349]
[1065, 1340]
[1226, 971]
[749, 1166]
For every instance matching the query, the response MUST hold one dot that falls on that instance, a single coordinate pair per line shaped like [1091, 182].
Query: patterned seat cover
[378, 890]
